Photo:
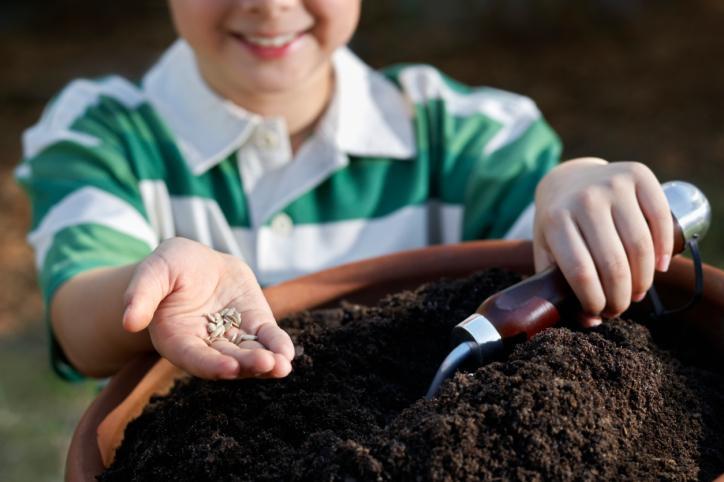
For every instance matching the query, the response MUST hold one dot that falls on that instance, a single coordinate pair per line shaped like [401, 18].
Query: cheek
[200, 22]
[336, 20]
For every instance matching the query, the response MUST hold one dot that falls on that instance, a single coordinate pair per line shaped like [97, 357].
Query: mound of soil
[607, 403]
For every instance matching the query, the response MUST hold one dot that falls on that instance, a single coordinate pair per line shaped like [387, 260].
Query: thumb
[148, 287]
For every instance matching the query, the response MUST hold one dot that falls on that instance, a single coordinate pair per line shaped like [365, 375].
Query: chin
[274, 80]
[275, 85]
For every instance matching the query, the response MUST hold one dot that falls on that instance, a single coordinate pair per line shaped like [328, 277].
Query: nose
[267, 7]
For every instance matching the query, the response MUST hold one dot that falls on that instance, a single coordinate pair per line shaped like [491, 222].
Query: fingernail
[589, 321]
[638, 296]
[663, 263]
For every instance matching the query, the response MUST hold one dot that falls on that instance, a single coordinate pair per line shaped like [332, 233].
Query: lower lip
[267, 53]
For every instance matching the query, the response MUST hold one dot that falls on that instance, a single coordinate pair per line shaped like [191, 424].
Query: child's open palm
[182, 280]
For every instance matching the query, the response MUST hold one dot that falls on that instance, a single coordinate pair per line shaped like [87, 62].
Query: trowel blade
[450, 364]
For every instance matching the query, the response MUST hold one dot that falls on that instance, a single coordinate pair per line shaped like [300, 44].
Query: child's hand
[607, 227]
[180, 281]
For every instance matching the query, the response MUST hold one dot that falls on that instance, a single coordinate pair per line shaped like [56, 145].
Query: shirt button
[266, 139]
[282, 224]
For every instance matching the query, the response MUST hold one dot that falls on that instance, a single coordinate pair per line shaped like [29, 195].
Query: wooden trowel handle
[535, 303]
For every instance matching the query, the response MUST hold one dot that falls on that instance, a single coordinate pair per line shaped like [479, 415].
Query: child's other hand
[180, 281]
[608, 228]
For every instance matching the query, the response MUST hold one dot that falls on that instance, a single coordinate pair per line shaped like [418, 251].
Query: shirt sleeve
[87, 210]
[490, 148]
[500, 191]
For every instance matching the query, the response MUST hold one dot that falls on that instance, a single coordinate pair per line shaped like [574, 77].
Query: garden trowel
[534, 304]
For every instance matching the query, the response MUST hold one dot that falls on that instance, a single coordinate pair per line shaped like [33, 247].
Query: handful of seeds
[221, 322]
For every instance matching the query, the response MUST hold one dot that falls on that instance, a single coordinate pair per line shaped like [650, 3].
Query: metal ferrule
[478, 329]
[689, 207]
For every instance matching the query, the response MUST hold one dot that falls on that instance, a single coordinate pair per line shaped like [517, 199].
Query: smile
[276, 41]
[268, 47]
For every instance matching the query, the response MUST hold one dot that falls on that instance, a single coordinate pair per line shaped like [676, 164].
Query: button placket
[282, 224]
[265, 138]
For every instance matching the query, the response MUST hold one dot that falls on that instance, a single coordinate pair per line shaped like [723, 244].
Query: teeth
[271, 41]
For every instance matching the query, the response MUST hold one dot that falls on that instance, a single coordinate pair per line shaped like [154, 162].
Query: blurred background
[620, 79]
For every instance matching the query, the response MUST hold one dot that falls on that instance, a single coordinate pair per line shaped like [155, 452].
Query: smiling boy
[260, 148]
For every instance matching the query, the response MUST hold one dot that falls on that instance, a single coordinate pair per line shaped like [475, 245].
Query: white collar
[370, 115]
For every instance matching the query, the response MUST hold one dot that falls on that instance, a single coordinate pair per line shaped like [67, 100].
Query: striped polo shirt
[401, 158]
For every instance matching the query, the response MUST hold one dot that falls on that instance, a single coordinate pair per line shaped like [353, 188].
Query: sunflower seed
[241, 337]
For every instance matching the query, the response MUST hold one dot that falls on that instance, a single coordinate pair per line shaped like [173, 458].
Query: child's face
[258, 47]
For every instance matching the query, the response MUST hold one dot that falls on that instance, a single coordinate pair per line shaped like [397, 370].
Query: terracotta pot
[101, 428]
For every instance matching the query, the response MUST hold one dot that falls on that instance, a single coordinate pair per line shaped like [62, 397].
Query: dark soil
[567, 405]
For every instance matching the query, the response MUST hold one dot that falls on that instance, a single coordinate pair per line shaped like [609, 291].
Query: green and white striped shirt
[401, 159]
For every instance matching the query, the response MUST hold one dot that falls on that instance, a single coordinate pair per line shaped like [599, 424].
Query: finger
[609, 256]
[253, 362]
[655, 208]
[575, 262]
[276, 340]
[636, 238]
[270, 337]
[193, 355]
[542, 258]
[257, 319]
[282, 368]
[282, 365]
[589, 321]
[147, 288]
